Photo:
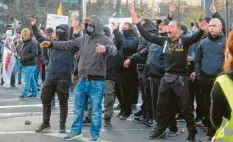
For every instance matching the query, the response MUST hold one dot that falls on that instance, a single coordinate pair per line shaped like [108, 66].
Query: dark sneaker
[118, 107]
[13, 86]
[22, 97]
[170, 133]
[206, 139]
[119, 114]
[107, 122]
[62, 130]
[72, 136]
[148, 122]
[139, 120]
[43, 127]
[138, 114]
[95, 139]
[134, 107]
[191, 138]
[87, 121]
[124, 117]
[19, 82]
[31, 96]
[156, 135]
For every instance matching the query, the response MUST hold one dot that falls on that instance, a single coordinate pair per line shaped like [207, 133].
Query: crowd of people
[172, 66]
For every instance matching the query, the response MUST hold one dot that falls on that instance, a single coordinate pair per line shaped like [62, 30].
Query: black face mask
[127, 33]
[61, 34]
[90, 29]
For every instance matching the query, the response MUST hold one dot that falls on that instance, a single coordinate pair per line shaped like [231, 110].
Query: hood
[149, 25]
[98, 25]
[66, 28]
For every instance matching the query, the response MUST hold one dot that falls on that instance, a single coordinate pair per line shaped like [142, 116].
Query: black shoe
[19, 82]
[38, 89]
[107, 122]
[124, 117]
[62, 129]
[22, 97]
[87, 121]
[12, 85]
[138, 114]
[156, 135]
[119, 114]
[118, 107]
[148, 122]
[43, 127]
[31, 96]
[191, 138]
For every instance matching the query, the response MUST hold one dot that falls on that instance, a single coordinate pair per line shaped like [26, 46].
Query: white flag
[8, 64]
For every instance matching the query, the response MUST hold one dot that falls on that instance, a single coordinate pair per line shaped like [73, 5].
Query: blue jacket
[210, 56]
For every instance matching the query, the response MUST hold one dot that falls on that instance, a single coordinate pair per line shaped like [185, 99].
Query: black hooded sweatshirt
[60, 61]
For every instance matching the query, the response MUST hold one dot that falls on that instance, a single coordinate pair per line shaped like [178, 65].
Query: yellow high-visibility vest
[225, 132]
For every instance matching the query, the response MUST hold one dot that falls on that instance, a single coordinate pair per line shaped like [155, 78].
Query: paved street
[14, 112]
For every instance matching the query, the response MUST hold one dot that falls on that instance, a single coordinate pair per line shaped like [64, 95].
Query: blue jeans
[94, 90]
[29, 81]
[19, 69]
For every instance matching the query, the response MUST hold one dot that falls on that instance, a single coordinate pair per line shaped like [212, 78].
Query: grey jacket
[90, 63]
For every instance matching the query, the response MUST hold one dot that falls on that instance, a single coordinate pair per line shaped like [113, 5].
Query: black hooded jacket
[60, 61]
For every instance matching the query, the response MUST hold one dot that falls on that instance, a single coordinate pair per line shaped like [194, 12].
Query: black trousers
[154, 86]
[118, 90]
[135, 85]
[164, 111]
[195, 92]
[144, 87]
[43, 74]
[206, 86]
[61, 86]
[126, 83]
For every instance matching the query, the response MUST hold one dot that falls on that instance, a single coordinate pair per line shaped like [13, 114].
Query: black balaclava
[90, 29]
[61, 34]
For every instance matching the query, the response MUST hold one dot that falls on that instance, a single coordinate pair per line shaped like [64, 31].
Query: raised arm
[36, 32]
[217, 15]
[128, 44]
[151, 37]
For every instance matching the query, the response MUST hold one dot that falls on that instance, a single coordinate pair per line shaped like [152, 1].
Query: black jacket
[126, 46]
[175, 51]
[60, 62]
[219, 105]
[29, 53]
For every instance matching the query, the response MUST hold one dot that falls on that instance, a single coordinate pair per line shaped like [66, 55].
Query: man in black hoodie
[127, 43]
[58, 78]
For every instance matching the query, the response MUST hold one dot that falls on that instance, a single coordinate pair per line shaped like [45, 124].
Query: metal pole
[227, 16]
[84, 8]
